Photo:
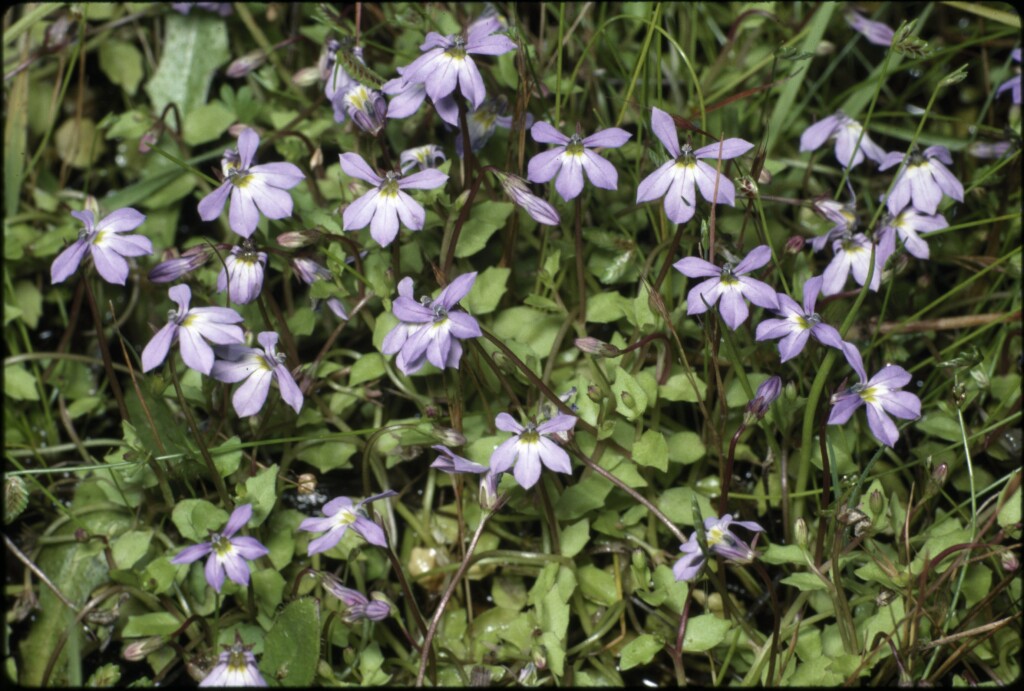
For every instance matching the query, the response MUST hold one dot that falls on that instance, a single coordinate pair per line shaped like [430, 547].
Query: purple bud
[246, 64]
[795, 244]
[174, 268]
[517, 189]
[597, 347]
[763, 398]
[295, 239]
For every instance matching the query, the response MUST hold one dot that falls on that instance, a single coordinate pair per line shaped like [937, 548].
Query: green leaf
[19, 384]
[152, 624]
[1009, 514]
[676, 504]
[487, 290]
[484, 219]
[328, 455]
[371, 662]
[268, 588]
[651, 450]
[640, 651]
[292, 647]
[78, 142]
[604, 308]
[736, 396]
[260, 491]
[805, 581]
[597, 585]
[193, 48]
[704, 632]
[685, 448]
[29, 301]
[106, 676]
[195, 518]
[370, 366]
[122, 63]
[207, 123]
[575, 538]
[131, 547]
[227, 456]
[679, 388]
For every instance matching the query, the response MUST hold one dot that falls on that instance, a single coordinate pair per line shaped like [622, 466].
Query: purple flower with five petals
[108, 246]
[1012, 84]
[236, 666]
[922, 180]
[253, 189]
[847, 132]
[572, 156]
[430, 329]
[908, 224]
[192, 328]
[340, 514]
[447, 62]
[242, 275]
[357, 605]
[382, 207]
[881, 394]
[721, 540]
[258, 368]
[798, 324]
[451, 462]
[228, 554]
[407, 97]
[731, 284]
[677, 179]
[529, 448]
[852, 255]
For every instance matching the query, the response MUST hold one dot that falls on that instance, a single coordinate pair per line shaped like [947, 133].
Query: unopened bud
[876, 502]
[800, 533]
[91, 205]
[448, 436]
[294, 239]
[594, 393]
[307, 483]
[629, 401]
[516, 188]
[138, 650]
[747, 186]
[940, 474]
[597, 347]
[173, 268]
[81, 535]
[790, 391]
[764, 177]
[317, 159]
[246, 64]
[307, 76]
[763, 398]
[795, 244]
[1009, 561]
[146, 143]
[489, 491]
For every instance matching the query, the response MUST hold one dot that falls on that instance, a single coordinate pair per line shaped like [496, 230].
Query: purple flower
[407, 97]
[530, 447]
[875, 32]
[367, 108]
[922, 180]
[430, 330]
[258, 368]
[844, 216]
[228, 554]
[253, 189]
[222, 8]
[731, 284]
[515, 187]
[853, 254]
[192, 328]
[1013, 83]
[242, 275]
[572, 156]
[881, 394]
[382, 207]
[721, 540]
[236, 666]
[174, 268]
[483, 121]
[107, 245]
[764, 396]
[426, 156]
[846, 132]
[337, 81]
[451, 462]
[908, 224]
[447, 62]
[339, 515]
[357, 605]
[677, 179]
[798, 324]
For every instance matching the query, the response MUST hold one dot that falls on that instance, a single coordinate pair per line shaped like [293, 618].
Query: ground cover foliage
[240, 447]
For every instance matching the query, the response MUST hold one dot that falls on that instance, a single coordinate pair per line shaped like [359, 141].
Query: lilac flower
[382, 207]
[922, 180]
[337, 81]
[731, 284]
[515, 187]
[677, 179]
[530, 447]
[222, 8]
[357, 605]
[908, 224]
[764, 397]
[108, 246]
[309, 272]
[366, 107]
[1012, 84]
[236, 666]
[242, 275]
[339, 515]
[451, 462]
[446, 62]
[174, 268]
[572, 156]
[430, 330]
[798, 324]
[875, 32]
[844, 216]
[488, 492]
[407, 97]
[721, 540]
[192, 328]
[253, 189]
[846, 132]
[853, 254]
[483, 121]
[881, 394]
[228, 554]
[426, 156]
[258, 368]
[998, 149]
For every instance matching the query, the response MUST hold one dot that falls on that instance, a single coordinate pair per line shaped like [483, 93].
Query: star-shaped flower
[192, 328]
[572, 156]
[798, 324]
[847, 132]
[881, 394]
[730, 284]
[107, 244]
[228, 554]
[530, 448]
[340, 514]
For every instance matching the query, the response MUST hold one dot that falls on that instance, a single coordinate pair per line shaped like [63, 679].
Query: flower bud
[746, 186]
[763, 398]
[146, 143]
[91, 205]
[876, 502]
[295, 239]
[795, 244]
[246, 64]
[515, 187]
[307, 76]
[307, 483]
[174, 268]
[597, 347]
[367, 108]
[448, 436]
[137, 651]
[1009, 561]
[764, 177]
[800, 533]
[629, 401]
[790, 391]
[489, 491]
[594, 393]
[317, 159]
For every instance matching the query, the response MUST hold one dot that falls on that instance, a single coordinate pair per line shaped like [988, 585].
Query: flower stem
[115, 386]
[218, 481]
[581, 279]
